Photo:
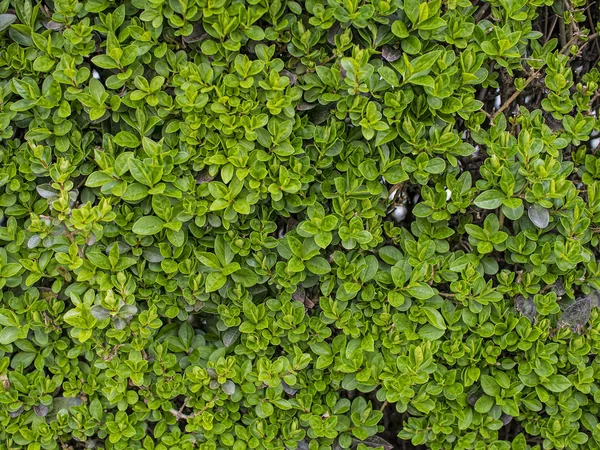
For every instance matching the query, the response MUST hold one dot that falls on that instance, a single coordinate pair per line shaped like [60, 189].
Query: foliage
[272, 224]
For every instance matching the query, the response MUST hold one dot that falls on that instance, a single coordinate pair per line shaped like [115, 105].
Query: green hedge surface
[299, 224]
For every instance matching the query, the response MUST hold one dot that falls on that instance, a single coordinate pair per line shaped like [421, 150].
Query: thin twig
[591, 21]
[562, 31]
[513, 97]
[549, 33]
[572, 26]
[479, 14]
[564, 50]
[179, 415]
[590, 38]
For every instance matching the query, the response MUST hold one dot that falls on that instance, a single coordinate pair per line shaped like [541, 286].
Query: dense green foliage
[278, 224]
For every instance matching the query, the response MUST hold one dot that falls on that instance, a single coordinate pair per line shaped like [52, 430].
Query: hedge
[288, 224]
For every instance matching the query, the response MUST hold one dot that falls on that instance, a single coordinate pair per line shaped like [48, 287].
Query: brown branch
[446, 294]
[537, 73]
[592, 23]
[549, 33]
[513, 97]
[567, 46]
[179, 415]
[590, 38]
[479, 14]
[572, 30]
[562, 31]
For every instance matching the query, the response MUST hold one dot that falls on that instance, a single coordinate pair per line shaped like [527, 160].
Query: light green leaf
[434, 318]
[215, 281]
[557, 383]
[127, 139]
[148, 225]
[6, 20]
[8, 335]
[491, 199]
[318, 265]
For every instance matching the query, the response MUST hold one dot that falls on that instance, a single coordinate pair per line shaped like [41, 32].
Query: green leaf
[426, 61]
[98, 179]
[140, 172]
[229, 387]
[43, 63]
[127, 139]
[104, 62]
[96, 410]
[318, 265]
[215, 281]
[368, 169]
[411, 9]
[246, 277]
[323, 239]
[490, 386]
[230, 336]
[177, 238]
[491, 199]
[326, 75]
[430, 333]
[557, 383]
[484, 404]
[422, 80]
[148, 225]
[435, 166]
[422, 291]
[321, 348]
[390, 255]
[135, 192]
[396, 299]
[8, 335]
[399, 29]
[10, 270]
[391, 77]
[519, 443]
[538, 215]
[6, 20]
[434, 318]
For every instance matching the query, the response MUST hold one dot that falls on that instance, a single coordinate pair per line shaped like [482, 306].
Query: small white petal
[399, 213]
[497, 102]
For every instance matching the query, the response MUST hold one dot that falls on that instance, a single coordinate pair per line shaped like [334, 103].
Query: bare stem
[513, 97]
[564, 50]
